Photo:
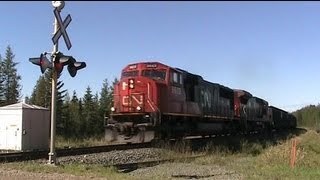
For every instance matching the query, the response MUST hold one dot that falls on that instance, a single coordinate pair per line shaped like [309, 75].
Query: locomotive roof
[184, 71]
[145, 62]
[178, 69]
[201, 78]
[243, 91]
[278, 109]
[264, 101]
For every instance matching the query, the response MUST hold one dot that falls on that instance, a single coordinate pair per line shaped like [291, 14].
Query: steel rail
[32, 155]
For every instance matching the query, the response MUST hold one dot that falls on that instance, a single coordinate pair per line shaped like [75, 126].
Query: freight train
[155, 101]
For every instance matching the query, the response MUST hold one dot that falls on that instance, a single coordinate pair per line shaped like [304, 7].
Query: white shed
[24, 127]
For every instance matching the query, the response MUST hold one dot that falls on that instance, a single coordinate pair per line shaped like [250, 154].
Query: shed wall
[24, 127]
[35, 129]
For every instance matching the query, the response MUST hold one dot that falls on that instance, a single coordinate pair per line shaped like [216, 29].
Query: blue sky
[271, 49]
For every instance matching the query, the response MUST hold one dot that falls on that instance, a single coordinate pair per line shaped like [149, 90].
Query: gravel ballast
[173, 170]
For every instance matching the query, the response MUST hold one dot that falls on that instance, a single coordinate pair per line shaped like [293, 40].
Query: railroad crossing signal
[61, 60]
[62, 29]
[58, 60]
[41, 61]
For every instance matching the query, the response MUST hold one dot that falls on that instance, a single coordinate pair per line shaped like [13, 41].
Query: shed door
[3, 139]
[12, 137]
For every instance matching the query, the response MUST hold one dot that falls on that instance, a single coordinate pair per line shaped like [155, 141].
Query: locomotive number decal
[126, 100]
[124, 85]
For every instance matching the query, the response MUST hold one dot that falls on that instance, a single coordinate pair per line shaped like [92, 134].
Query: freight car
[155, 101]
[281, 118]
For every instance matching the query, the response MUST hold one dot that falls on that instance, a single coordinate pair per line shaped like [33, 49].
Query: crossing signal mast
[58, 61]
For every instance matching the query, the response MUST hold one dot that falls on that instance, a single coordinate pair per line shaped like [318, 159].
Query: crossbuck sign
[62, 29]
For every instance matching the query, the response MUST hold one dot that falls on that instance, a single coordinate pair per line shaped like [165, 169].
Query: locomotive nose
[138, 95]
[132, 95]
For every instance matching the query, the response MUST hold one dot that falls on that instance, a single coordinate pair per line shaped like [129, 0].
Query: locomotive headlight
[138, 108]
[113, 109]
[131, 83]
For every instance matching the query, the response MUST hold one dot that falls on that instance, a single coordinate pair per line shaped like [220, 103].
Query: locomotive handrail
[157, 110]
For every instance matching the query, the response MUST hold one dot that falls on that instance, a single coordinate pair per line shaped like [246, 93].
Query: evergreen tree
[65, 116]
[27, 100]
[308, 116]
[41, 96]
[11, 79]
[48, 87]
[2, 98]
[74, 116]
[105, 101]
[60, 116]
[99, 123]
[90, 112]
[115, 81]
[82, 119]
[40, 93]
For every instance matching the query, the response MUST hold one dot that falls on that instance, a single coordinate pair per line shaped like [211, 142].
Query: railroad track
[23, 156]
[197, 142]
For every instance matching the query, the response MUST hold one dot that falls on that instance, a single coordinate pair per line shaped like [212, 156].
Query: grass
[256, 161]
[75, 142]
[179, 149]
[253, 160]
[74, 169]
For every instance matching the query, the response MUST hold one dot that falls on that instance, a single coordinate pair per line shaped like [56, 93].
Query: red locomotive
[154, 101]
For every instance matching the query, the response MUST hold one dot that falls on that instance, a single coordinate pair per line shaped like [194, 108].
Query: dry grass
[66, 143]
[307, 153]
[257, 161]
[179, 149]
[274, 162]
[88, 171]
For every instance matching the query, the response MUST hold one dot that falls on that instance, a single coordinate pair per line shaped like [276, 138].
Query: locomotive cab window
[129, 73]
[176, 78]
[155, 74]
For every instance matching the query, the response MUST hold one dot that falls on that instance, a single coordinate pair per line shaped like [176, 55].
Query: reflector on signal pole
[42, 61]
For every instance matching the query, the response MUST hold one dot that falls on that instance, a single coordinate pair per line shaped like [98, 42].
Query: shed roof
[22, 105]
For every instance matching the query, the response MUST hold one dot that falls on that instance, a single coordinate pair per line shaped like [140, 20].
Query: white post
[52, 155]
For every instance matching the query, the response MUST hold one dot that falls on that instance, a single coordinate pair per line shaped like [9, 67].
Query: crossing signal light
[74, 67]
[61, 60]
[42, 61]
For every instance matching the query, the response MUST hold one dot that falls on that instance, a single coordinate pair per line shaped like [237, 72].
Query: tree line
[75, 116]
[308, 116]
[79, 117]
